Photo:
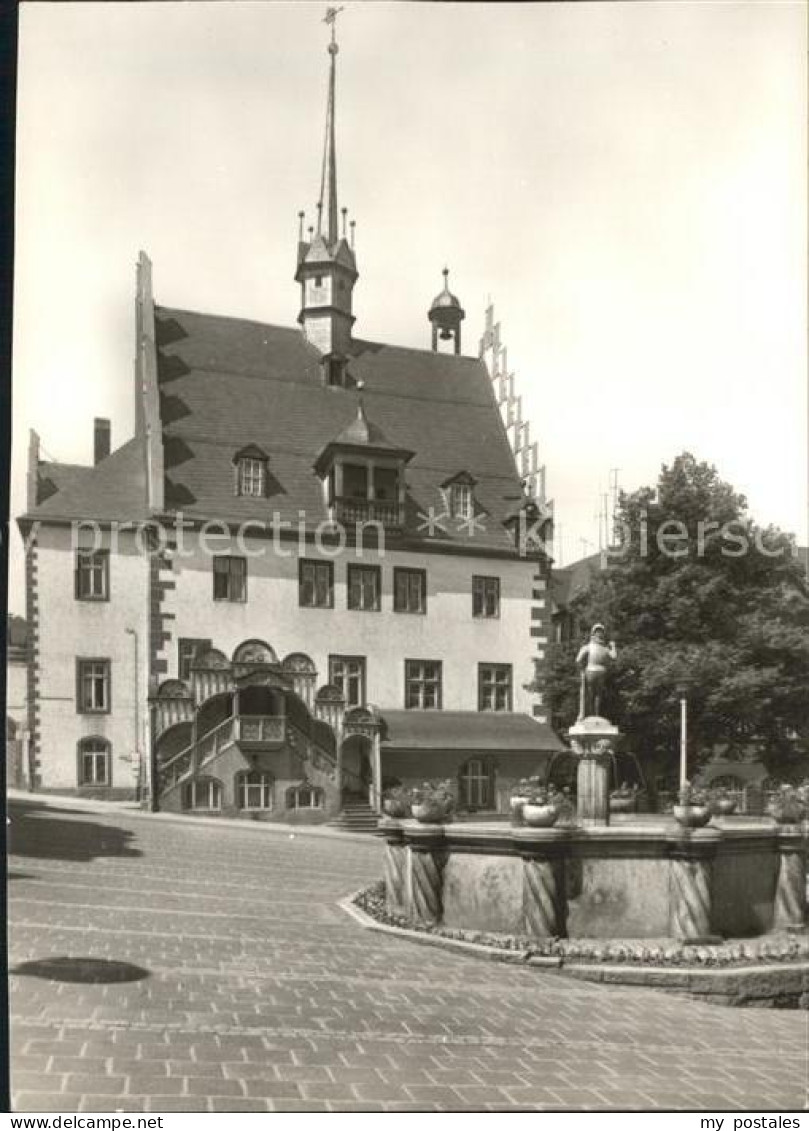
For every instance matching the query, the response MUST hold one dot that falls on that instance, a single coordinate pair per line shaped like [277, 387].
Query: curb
[722, 985]
[473, 949]
[131, 809]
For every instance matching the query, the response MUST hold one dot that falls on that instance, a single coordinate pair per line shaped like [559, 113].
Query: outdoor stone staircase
[356, 817]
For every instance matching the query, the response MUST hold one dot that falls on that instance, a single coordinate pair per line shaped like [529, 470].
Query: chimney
[32, 479]
[102, 439]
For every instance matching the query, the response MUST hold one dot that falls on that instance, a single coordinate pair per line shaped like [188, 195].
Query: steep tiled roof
[225, 383]
[570, 581]
[466, 730]
[112, 489]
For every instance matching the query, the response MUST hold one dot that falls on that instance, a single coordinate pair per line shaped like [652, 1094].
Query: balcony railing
[386, 511]
[261, 730]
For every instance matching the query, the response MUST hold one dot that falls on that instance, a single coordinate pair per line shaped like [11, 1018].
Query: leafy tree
[703, 602]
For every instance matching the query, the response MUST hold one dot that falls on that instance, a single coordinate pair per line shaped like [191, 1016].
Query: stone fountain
[739, 876]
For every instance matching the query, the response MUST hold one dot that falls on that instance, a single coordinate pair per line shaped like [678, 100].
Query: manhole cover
[81, 970]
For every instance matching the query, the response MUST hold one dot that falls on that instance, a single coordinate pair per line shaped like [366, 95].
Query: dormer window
[251, 472]
[252, 477]
[459, 495]
[362, 474]
[460, 500]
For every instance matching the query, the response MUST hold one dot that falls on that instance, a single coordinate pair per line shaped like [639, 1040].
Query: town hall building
[317, 570]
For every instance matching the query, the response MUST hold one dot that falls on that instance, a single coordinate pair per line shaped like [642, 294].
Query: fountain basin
[650, 879]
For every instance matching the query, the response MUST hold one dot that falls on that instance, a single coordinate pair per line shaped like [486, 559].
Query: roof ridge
[464, 357]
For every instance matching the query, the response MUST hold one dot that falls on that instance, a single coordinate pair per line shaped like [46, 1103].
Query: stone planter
[725, 806]
[430, 812]
[399, 810]
[692, 816]
[516, 805]
[785, 812]
[539, 816]
[622, 805]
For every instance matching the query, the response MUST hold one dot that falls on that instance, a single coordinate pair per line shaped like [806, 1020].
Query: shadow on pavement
[89, 971]
[42, 832]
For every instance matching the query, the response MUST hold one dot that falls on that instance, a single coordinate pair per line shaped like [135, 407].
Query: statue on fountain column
[594, 660]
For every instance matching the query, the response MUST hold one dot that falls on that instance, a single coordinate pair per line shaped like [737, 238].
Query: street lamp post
[138, 744]
[683, 740]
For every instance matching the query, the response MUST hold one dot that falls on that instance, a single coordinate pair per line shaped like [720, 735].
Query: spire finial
[328, 178]
[331, 19]
[360, 385]
[445, 273]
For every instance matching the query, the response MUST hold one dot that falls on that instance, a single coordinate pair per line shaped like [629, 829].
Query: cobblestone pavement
[262, 995]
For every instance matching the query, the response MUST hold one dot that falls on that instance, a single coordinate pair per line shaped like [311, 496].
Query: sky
[626, 181]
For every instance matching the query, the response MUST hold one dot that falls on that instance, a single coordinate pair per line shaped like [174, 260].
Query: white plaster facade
[70, 629]
[447, 631]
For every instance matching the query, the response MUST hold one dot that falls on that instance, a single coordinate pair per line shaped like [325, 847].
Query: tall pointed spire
[328, 177]
[327, 267]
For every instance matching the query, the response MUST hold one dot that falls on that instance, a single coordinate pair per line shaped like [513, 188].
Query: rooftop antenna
[614, 489]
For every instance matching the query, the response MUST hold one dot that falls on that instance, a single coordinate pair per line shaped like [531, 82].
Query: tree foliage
[703, 602]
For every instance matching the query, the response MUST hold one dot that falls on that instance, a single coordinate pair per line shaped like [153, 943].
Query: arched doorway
[356, 766]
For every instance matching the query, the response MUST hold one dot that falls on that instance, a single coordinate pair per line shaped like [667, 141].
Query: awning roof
[467, 730]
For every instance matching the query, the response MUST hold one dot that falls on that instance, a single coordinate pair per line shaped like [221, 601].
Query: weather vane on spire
[331, 19]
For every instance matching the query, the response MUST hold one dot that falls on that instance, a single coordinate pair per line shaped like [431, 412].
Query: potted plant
[789, 805]
[519, 796]
[624, 799]
[433, 802]
[693, 809]
[397, 802]
[722, 803]
[541, 809]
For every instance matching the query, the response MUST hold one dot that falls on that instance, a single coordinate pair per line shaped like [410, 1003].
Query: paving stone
[263, 996]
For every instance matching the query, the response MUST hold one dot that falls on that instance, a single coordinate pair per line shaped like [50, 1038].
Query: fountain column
[425, 873]
[395, 865]
[790, 892]
[593, 739]
[543, 887]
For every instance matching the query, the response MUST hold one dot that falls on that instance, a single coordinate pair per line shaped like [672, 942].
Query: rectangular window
[252, 476]
[187, 649]
[315, 584]
[409, 591]
[348, 673]
[494, 687]
[423, 685]
[92, 575]
[364, 586]
[485, 596]
[229, 578]
[93, 687]
[94, 762]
